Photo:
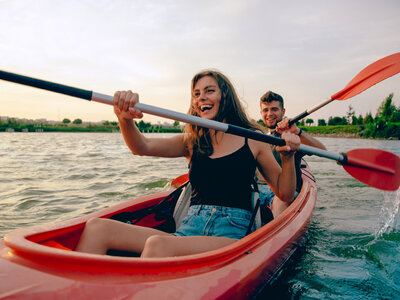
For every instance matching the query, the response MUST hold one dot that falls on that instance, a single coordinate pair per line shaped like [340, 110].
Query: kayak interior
[50, 248]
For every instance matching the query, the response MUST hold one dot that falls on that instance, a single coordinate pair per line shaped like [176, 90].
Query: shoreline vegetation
[23, 125]
[336, 131]
[385, 125]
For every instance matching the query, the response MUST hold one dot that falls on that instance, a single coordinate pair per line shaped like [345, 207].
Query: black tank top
[223, 181]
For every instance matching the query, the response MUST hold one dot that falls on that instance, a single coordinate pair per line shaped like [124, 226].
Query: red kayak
[39, 262]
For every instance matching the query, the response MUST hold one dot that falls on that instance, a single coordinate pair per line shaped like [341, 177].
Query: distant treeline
[385, 124]
[18, 125]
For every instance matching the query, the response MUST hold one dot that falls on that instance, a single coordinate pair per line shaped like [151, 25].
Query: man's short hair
[271, 96]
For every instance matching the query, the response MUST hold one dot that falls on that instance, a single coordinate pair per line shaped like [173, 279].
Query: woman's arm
[281, 180]
[124, 103]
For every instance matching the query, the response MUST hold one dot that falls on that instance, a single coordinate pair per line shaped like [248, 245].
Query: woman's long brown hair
[230, 111]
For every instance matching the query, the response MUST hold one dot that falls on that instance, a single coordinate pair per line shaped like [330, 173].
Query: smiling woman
[222, 168]
[214, 98]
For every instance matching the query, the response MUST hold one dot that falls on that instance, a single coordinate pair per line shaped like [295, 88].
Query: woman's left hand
[292, 144]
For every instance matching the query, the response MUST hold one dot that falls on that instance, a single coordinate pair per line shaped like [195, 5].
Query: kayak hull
[30, 266]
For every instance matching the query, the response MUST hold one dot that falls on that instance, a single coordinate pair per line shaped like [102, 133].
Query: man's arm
[307, 139]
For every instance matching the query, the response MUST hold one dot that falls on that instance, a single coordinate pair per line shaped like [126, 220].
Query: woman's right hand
[124, 102]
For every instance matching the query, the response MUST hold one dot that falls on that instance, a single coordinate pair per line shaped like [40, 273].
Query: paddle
[371, 75]
[373, 167]
[178, 181]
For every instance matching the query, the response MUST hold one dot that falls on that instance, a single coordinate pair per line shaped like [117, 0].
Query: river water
[353, 245]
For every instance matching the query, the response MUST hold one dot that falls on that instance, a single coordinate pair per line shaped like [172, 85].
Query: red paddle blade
[374, 167]
[178, 181]
[371, 75]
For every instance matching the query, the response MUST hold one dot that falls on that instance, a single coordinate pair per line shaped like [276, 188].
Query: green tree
[321, 122]
[386, 109]
[310, 122]
[360, 120]
[337, 121]
[77, 121]
[142, 125]
[106, 123]
[11, 122]
[368, 119]
[380, 127]
[66, 121]
[395, 118]
[176, 123]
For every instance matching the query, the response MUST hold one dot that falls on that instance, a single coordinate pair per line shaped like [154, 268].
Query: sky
[304, 50]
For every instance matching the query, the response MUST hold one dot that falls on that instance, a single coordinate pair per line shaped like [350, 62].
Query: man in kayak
[221, 172]
[272, 114]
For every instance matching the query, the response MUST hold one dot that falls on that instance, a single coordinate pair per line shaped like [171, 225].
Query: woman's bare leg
[168, 245]
[101, 235]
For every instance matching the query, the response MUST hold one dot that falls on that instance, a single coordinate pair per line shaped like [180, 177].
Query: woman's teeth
[205, 107]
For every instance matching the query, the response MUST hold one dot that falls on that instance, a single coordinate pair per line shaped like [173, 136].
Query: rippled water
[353, 245]
[353, 248]
[47, 177]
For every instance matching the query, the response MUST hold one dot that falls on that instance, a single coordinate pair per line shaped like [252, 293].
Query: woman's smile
[206, 97]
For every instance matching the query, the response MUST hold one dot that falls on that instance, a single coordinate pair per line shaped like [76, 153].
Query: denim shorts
[210, 220]
[266, 194]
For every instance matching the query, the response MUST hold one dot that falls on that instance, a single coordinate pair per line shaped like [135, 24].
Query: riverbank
[337, 131]
[390, 131]
[82, 128]
[333, 131]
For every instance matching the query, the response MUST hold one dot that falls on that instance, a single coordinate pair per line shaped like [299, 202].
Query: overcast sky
[304, 50]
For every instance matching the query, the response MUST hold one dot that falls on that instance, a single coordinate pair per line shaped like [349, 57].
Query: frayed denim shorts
[210, 220]
[266, 195]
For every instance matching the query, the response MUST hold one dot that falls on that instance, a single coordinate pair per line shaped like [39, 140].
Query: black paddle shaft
[46, 85]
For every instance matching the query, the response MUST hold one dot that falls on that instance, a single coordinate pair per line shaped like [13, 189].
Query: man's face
[272, 113]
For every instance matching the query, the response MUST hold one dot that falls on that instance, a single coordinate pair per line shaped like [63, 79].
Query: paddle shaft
[173, 115]
[308, 111]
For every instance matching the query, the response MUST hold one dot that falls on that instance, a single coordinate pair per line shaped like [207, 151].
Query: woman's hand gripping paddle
[377, 168]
